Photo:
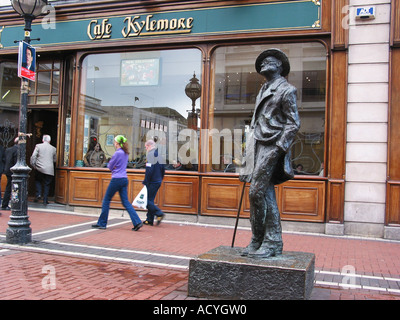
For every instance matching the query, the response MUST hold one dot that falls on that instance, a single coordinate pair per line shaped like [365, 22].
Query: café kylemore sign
[275, 16]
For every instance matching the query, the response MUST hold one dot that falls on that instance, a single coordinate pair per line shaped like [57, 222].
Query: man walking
[43, 159]
[154, 175]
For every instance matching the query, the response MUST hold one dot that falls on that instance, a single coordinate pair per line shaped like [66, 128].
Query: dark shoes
[5, 208]
[137, 227]
[262, 251]
[39, 198]
[159, 219]
[96, 226]
[251, 248]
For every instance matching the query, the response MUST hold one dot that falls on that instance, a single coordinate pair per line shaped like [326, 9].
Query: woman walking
[119, 182]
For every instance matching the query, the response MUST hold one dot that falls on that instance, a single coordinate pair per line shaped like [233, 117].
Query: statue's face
[271, 65]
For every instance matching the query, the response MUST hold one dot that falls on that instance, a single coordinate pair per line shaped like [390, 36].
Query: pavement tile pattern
[68, 260]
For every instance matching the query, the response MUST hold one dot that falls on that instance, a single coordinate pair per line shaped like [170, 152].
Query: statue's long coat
[276, 122]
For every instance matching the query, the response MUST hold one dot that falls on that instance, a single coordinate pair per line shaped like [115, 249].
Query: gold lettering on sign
[97, 30]
[135, 26]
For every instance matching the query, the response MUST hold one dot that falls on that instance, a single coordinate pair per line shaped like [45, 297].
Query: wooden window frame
[33, 95]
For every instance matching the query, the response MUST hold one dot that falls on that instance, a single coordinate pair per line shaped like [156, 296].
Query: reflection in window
[66, 115]
[240, 85]
[235, 85]
[10, 95]
[43, 91]
[140, 95]
[10, 85]
[47, 86]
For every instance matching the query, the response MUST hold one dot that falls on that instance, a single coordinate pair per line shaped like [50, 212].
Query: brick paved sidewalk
[151, 264]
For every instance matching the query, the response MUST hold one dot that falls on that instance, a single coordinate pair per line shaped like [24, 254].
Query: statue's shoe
[251, 248]
[263, 253]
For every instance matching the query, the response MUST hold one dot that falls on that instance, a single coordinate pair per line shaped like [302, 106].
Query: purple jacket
[118, 164]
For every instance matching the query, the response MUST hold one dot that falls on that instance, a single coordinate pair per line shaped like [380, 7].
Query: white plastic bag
[141, 199]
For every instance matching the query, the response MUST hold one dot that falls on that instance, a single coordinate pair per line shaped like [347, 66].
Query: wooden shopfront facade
[116, 67]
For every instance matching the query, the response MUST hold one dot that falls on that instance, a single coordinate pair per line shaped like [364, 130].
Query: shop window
[10, 95]
[140, 95]
[234, 88]
[66, 111]
[46, 88]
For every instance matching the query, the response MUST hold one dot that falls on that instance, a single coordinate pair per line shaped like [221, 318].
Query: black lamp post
[19, 231]
[193, 91]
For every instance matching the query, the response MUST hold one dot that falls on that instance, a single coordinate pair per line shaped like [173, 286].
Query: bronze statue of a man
[274, 126]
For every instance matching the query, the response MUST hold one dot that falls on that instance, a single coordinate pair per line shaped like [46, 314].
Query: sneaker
[147, 223]
[37, 198]
[137, 227]
[159, 219]
[96, 226]
[5, 208]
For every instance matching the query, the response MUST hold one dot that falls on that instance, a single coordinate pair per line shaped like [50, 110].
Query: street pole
[19, 231]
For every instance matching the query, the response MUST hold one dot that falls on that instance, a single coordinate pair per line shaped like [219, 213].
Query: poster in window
[26, 61]
[140, 72]
[110, 140]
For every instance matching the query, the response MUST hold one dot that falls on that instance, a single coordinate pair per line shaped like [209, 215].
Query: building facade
[182, 72]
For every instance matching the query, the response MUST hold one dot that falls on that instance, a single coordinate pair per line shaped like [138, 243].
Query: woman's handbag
[141, 199]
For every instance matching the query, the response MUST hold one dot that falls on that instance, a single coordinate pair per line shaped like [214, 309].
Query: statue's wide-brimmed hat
[280, 55]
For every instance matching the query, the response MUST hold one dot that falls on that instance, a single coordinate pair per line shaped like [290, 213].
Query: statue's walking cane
[238, 213]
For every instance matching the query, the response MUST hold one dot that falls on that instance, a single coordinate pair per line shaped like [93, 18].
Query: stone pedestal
[223, 274]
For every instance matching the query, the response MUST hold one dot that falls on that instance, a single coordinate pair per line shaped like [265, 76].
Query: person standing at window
[119, 182]
[154, 175]
[95, 157]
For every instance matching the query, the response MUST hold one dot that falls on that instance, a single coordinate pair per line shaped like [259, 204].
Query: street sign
[365, 13]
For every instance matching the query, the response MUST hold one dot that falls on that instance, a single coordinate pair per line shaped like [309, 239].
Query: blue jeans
[120, 185]
[152, 209]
